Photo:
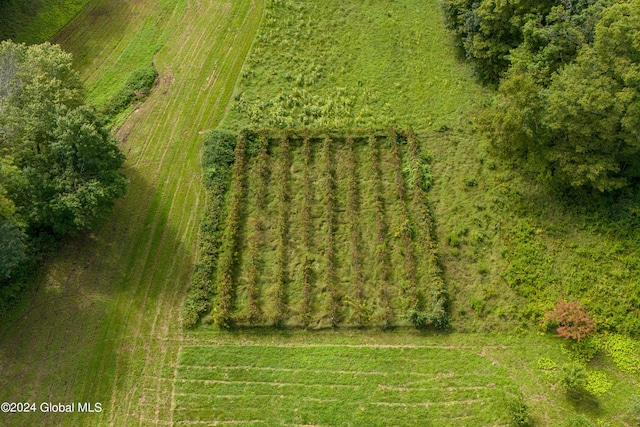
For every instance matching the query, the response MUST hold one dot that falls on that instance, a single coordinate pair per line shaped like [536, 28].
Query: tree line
[567, 108]
[59, 165]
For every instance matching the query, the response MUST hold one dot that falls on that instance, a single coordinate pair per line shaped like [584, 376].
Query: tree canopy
[59, 166]
[568, 102]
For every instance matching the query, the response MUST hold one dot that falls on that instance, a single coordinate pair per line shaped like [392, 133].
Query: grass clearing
[338, 385]
[338, 64]
[36, 21]
[104, 322]
[368, 377]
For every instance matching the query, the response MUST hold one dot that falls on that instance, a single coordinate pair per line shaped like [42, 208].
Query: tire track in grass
[185, 106]
[181, 119]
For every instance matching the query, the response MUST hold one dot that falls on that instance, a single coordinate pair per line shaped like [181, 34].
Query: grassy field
[36, 21]
[338, 64]
[399, 378]
[104, 323]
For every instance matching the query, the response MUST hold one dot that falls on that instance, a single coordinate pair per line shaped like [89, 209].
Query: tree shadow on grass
[95, 304]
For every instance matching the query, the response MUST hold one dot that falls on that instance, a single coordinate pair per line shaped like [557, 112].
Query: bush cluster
[136, 87]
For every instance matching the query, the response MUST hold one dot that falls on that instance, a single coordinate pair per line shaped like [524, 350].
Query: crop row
[342, 236]
[360, 308]
[330, 224]
[282, 179]
[405, 229]
[228, 257]
[260, 175]
[218, 158]
[382, 247]
[420, 177]
[306, 235]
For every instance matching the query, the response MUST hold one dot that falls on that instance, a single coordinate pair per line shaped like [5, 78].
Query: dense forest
[568, 102]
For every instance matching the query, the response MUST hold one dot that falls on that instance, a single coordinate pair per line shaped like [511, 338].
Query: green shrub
[137, 87]
[574, 380]
[218, 156]
[581, 352]
[518, 412]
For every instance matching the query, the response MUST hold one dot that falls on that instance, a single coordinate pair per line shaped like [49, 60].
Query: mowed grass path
[363, 378]
[333, 384]
[37, 20]
[104, 322]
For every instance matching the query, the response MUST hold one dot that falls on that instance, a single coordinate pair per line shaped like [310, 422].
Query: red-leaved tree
[572, 319]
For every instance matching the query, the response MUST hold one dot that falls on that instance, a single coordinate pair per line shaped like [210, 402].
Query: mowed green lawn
[372, 378]
[104, 324]
[333, 384]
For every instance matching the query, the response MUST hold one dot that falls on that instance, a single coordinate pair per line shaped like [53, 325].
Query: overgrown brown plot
[325, 229]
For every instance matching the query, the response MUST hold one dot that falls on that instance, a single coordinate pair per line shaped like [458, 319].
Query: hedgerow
[217, 161]
[228, 256]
